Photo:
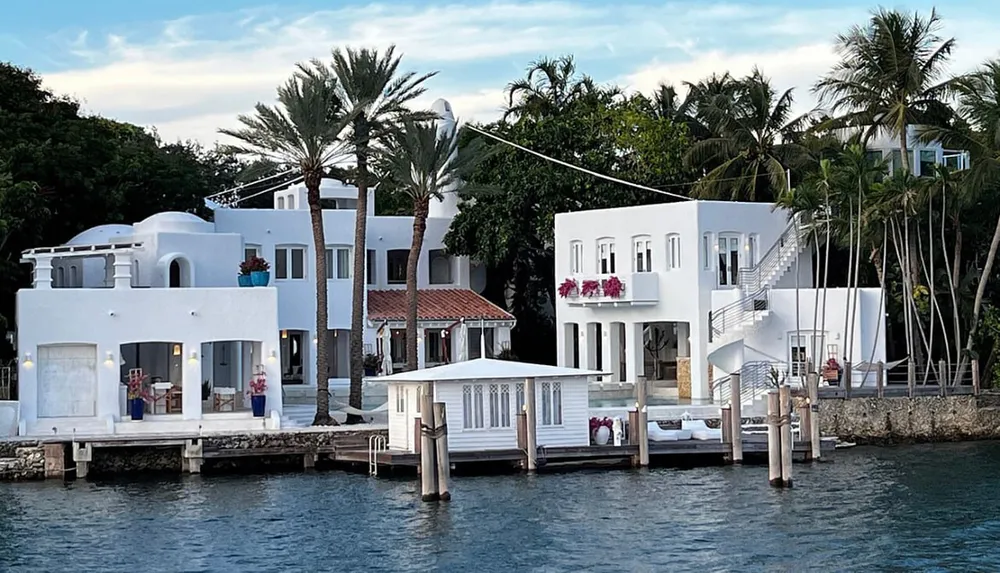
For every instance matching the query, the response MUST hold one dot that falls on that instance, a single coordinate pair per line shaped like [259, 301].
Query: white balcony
[637, 289]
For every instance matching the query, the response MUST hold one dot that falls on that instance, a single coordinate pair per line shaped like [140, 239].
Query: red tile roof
[434, 304]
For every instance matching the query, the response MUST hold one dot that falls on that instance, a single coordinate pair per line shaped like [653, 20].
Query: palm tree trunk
[360, 256]
[912, 263]
[322, 418]
[857, 271]
[977, 305]
[881, 302]
[420, 208]
[953, 284]
[850, 269]
[817, 336]
[826, 268]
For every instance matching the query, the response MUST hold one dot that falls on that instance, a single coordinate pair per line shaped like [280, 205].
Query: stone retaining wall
[909, 420]
[21, 461]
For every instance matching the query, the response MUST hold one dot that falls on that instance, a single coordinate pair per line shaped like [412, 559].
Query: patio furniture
[658, 434]
[175, 400]
[161, 395]
[700, 431]
[223, 399]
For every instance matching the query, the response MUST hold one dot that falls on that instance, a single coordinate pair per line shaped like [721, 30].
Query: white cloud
[195, 75]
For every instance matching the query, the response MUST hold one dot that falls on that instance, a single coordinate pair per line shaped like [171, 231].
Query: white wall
[109, 318]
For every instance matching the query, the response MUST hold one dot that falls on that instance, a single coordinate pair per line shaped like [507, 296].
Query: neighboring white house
[162, 295]
[483, 398]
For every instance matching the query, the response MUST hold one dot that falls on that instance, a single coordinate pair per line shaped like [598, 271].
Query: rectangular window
[440, 263]
[673, 252]
[435, 347]
[467, 406]
[706, 252]
[289, 263]
[606, 257]
[505, 405]
[344, 263]
[519, 397]
[370, 269]
[251, 251]
[494, 405]
[546, 403]
[477, 406]
[643, 255]
[576, 257]
[400, 400]
[928, 159]
[397, 345]
[396, 260]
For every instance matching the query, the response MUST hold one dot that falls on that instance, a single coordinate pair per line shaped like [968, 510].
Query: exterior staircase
[729, 325]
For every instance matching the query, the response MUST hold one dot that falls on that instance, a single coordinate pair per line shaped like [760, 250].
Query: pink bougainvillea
[568, 288]
[590, 288]
[612, 287]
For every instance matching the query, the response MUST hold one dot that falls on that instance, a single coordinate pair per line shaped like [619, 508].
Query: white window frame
[247, 248]
[334, 270]
[289, 257]
[606, 260]
[707, 253]
[673, 252]
[551, 404]
[473, 411]
[576, 257]
[400, 400]
[281, 202]
[642, 254]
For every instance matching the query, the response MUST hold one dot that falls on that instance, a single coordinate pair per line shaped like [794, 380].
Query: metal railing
[790, 242]
[755, 381]
[8, 380]
[742, 312]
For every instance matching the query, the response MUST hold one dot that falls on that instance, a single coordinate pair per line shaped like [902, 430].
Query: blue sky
[189, 67]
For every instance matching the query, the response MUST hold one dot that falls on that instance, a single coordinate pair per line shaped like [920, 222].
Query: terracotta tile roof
[434, 304]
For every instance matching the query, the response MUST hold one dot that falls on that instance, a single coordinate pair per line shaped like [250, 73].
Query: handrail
[755, 382]
[745, 309]
[754, 278]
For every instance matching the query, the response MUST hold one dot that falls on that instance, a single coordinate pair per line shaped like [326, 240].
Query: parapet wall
[909, 420]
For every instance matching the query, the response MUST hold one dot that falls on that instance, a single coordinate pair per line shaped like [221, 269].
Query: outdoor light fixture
[110, 360]
[315, 340]
[27, 360]
[272, 357]
[194, 358]
[177, 350]
[284, 334]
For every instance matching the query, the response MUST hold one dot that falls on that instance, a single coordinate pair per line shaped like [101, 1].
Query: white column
[421, 348]
[683, 339]
[588, 346]
[564, 356]
[43, 272]
[699, 362]
[191, 377]
[634, 351]
[123, 269]
[608, 348]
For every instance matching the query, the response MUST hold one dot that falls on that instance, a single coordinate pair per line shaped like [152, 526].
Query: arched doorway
[175, 274]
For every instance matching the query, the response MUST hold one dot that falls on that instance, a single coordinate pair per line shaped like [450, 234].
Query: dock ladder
[376, 444]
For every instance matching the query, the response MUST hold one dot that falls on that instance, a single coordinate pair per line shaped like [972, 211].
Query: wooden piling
[531, 427]
[975, 377]
[428, 472]
[643, 416]
[55, 461]
[785, 405]
[727, 428]
[441, 442]
[813, 383]
[773, 440]
[942, 378]
[848, 379]
[736, 412]
[880, 379]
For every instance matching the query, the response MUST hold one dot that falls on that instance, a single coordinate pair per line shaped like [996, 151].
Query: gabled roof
[486, 368]
[434, 304]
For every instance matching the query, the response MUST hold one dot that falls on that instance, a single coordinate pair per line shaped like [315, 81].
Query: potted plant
[259, 271]
[569, 288]
[258, 386]
[613, 287]
[244, 277]
[137, 394]
[590, 288]
[600, 430]
[372, 364]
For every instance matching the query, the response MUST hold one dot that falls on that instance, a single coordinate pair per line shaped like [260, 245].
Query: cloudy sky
[189, 67]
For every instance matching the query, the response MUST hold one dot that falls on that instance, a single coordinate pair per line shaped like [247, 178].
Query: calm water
[906, 508]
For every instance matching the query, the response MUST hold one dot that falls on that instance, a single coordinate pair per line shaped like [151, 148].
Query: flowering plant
[254, 264]
[832, 364]
[568, 288]
[137, 385]
[613, 287]
[596, 423]
[590, 288]
[258, 384]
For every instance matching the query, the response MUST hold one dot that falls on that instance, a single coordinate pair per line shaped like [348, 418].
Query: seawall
[911, 420]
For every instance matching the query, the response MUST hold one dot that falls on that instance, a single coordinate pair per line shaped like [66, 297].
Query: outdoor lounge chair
[700, 431]
[658, 434]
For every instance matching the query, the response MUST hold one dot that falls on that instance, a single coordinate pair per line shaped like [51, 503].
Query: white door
[729, 260]
[67, 380]
[802, 352]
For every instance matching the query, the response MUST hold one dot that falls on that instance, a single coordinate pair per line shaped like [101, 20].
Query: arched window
[60, 277]
[642, 257]
[673, 251]
[281, 202]
[74, 277]
[291, 201]
[606, 256]
[175, 274]
[576, 257]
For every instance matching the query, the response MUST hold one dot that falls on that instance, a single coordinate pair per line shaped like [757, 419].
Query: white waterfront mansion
[162, 296]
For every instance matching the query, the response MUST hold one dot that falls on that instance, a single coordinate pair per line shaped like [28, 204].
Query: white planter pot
[602, 435]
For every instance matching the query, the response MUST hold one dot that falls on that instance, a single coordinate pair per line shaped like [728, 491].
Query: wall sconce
[177, 350]
[194, 358]
[315, 340]
[27, 360]
[284, 334]
[272, 357]
[110, 360]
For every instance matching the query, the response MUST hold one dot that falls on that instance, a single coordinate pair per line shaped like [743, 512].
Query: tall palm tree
[376, 96]
[750, 147]
[709, 100]
[424, 162]
[304, 132]
[550, 85]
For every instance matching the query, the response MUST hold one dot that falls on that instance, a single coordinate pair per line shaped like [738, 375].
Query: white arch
[187, 269]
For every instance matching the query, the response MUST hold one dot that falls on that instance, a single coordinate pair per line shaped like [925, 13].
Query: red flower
[613, 287]
[590, 288]
[568, 288]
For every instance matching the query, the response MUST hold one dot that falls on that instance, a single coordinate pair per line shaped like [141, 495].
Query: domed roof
[102, 234]
[174, 221]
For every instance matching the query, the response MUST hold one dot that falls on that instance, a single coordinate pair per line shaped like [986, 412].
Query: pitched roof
[486, 369]
[434, 304]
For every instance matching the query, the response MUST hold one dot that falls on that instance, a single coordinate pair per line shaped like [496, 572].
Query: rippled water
[907, 508]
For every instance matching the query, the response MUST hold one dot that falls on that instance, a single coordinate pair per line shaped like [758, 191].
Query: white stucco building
[162, 295]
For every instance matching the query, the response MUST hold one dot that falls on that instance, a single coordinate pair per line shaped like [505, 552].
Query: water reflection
[921, 507]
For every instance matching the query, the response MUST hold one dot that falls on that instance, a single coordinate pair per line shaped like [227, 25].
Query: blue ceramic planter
[257, 403]
[245, 280]
[137, 407]
[260, 278]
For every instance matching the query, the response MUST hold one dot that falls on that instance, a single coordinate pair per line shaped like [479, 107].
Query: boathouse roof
[486, 369]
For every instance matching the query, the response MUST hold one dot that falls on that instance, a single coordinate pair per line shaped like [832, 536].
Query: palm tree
[550, 86]
[376, 96]
[303, 132]
[424, 164]
[750, 142]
